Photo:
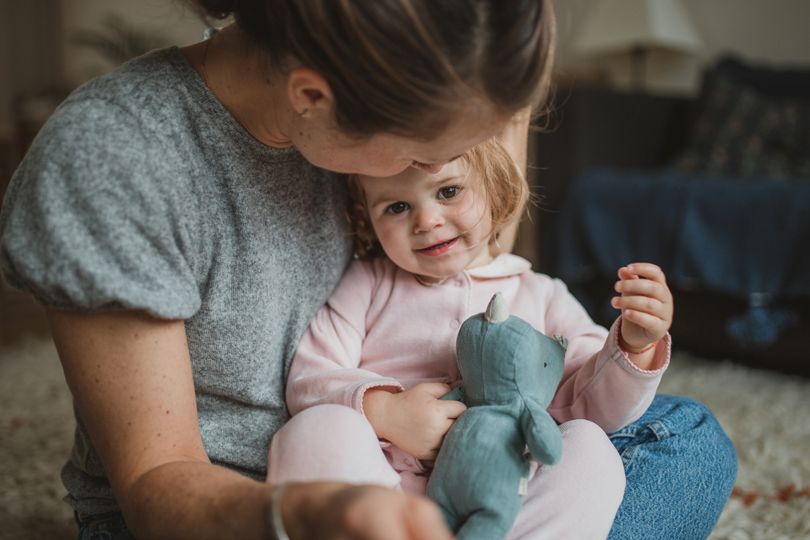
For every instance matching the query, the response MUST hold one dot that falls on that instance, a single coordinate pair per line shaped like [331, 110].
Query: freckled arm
[130, 375]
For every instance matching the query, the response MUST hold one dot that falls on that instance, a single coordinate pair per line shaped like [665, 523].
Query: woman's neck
[236, 73]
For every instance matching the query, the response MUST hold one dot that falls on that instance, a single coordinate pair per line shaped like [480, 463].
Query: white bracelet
[276, 524]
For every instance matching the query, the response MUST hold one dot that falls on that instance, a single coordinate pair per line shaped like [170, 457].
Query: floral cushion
[740, 131]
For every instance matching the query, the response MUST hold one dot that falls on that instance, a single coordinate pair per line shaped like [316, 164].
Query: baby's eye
[449, 192]
[397, 208]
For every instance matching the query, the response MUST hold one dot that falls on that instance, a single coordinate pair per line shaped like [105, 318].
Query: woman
[181, 221]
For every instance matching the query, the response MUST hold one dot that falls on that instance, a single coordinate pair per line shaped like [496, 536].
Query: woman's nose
[428, 218]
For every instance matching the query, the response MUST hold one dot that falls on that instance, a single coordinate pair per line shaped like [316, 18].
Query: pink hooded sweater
[384, 328]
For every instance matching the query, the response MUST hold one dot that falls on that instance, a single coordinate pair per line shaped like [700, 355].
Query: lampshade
[615, 26]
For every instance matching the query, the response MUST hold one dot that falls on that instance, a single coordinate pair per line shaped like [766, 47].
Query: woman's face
[384, 155]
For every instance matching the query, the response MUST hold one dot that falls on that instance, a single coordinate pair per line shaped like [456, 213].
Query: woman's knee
[701, 435]
[680, 464]
[681, 415]
[698, 431]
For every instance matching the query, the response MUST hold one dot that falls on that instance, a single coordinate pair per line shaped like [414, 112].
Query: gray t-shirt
[143, 192]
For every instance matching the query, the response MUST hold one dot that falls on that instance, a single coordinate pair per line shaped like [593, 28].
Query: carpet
[767, 416]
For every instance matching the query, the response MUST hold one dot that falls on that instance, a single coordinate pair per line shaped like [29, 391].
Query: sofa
[715, 190]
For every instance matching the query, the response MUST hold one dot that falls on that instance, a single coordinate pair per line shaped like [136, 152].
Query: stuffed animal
[510, 373]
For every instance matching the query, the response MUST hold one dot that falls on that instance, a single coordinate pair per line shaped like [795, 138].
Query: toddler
[384, 346]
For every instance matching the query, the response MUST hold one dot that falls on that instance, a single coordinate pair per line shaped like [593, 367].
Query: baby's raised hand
[646, 306]
[415, 420]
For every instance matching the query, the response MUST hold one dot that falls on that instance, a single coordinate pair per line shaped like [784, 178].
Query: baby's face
[432, 225]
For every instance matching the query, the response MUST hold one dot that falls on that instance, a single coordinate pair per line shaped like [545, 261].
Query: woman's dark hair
[405, 67]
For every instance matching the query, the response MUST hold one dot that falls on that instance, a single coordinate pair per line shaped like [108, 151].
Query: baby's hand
[646, 305]
[415, 420]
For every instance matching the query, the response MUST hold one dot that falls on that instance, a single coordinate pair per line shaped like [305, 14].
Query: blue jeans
[109, 526]
[680, 469]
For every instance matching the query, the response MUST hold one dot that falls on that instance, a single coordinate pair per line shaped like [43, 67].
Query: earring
[304, 114]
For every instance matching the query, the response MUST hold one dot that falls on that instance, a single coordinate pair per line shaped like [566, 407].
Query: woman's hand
[327, 511]
[415, 420]
[647, 309]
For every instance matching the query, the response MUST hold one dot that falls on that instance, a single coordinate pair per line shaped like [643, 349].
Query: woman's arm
[130, 375]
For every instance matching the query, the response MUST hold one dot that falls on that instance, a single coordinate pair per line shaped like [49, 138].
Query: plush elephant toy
[510, 373]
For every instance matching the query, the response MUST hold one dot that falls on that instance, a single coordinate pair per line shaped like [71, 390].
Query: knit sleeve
[94, 222]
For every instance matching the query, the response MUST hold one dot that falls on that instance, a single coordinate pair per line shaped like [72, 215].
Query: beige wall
[36, 52]
[167, 17]
[774, 32]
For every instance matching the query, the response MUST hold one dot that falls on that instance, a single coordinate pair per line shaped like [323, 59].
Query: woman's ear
[308, 91]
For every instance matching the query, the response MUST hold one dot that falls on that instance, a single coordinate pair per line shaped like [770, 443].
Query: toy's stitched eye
[545, 365]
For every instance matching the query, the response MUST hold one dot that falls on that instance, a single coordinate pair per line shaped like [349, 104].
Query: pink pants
[575, 499]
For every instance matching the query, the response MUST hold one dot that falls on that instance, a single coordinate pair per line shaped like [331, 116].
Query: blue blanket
[746, 238]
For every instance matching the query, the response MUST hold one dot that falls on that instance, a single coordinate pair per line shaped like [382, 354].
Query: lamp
[637, 26]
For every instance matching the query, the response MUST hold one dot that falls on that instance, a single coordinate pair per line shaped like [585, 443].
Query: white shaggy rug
[36, 435]
[767, 416]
